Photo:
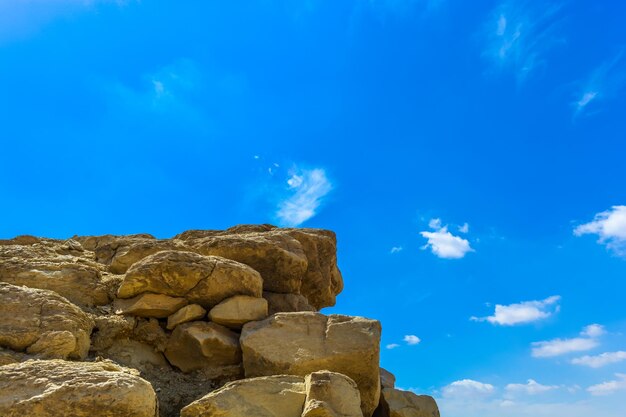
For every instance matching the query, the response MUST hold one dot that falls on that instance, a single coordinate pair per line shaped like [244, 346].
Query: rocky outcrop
[187, 319]
[52, 388]
[312, 341]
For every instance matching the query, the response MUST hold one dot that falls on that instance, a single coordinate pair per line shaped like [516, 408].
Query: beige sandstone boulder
[272, 396]
[191, 312]
[204, 280]
[135, 354]
[150, 331]
[149, 305]
[199, 344]
[286, 303]
[38, 388]
[387, 379]
[61, 266]
[236, 311]
[301, 343]
[330, 394]
[42, 323]
[407, 404]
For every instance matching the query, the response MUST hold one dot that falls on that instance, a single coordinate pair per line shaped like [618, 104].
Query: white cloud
[610, 226]
[519, 34]
[392, 346]
[600, 360]
[609, 387]
[532, 387]
[522, 313]
[396, 249]
[411, 339]
[467, 388]
[307, 188]
[605, 81]
[558, 347]
[464, 228]
[444, 244]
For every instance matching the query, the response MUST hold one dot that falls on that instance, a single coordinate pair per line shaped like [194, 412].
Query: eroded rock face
[199, 344]
[52, 388]
[236, 311]
[149, 305]
[272, 396]
[310, 342]
[286, 303]
[203, 280]
[188, 313]
[330, 394]
[407, 404]
[42, 323]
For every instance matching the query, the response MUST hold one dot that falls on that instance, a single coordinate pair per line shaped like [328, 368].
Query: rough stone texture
[53, 388]
[272, 396]
[286, 303]
[407, 404]
[61, 266]
[199, 344]
[236, 311]
[204, 280]
[42, 323]
[135, 354]
[150, 331]
[329, 394]
[110, 328]
[387, 379]
[310, 342]
[188, 313]
[149, 305]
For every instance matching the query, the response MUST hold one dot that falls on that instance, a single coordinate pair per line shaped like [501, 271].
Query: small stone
[188, 313]
[236, 311]
[149, 305]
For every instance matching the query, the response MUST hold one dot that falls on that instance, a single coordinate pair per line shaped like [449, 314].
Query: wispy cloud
[609, 387]
[558, 347]
[467, 388]
[411, 339]
[519, 34]
[392, 346]
[522, 313]
[610, 226]
[600, 360]
[444, 244]
[604, 83]
[307, 189]
[396, 249]
[531, 387]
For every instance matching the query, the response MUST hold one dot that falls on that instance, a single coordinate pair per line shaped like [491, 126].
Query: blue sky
[469, 155]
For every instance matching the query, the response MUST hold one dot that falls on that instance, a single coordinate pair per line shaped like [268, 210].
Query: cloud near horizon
[600, 360]
[557, 347]
[307, 188]
[610, 226]
[444, 244]
[522, 313]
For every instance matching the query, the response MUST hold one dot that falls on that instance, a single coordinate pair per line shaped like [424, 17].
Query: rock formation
[208, 323]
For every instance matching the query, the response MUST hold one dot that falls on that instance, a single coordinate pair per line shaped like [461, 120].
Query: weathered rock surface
[236, 311]
[310, 342]
[330, 394]
[407, 404]
[61, 266]
[149, 305]
[204, 280]
[42, 323]
[272, 396]
[199, 344]
[188, 313]
[286, 303]
[387, 379]
[53, 388]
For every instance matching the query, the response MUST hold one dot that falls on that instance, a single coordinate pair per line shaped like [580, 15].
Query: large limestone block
[39, 388]
[330, 394]
[191, 312]
[43, 323]
[236, 311]
[60, 266]
[407, 404]
[199, 345]
[204, 280]
[149, 305]
[309, 342]
[387, 379]
[286, 303]
[273, 396]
